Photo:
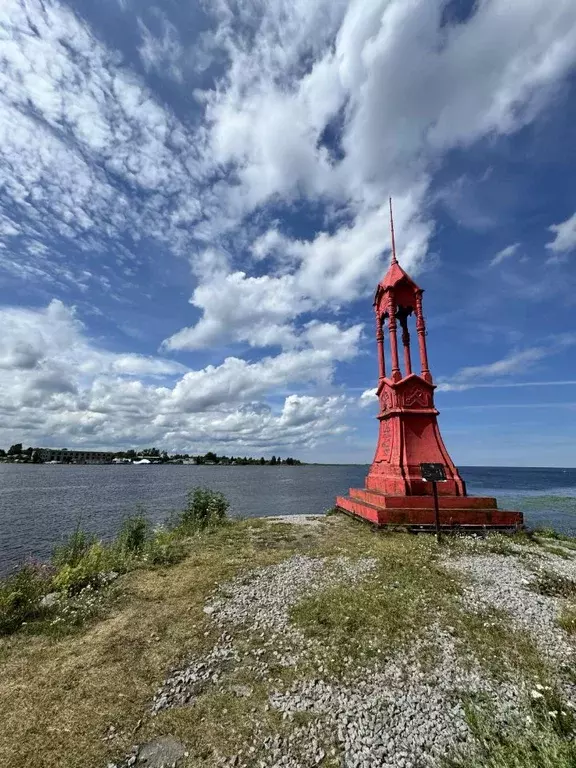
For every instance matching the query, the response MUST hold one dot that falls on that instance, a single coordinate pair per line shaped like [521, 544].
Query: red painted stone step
[489, 517]
[421, 502]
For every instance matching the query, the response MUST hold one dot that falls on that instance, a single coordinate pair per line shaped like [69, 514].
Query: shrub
[134, 534]
[20, 596]
[205, 509]
[88, 571]
[73, 548]
[164, 548]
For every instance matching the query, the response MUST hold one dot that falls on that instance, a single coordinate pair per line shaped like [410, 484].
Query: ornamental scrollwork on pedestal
[385, 439]
[416, 396]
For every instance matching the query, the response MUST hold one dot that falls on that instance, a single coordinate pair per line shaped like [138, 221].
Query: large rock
[165, 752]
[49, 600]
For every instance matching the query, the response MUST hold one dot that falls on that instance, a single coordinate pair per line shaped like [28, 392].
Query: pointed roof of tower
[395, 273]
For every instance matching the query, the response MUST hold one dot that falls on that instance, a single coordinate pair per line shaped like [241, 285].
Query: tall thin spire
[394, 260]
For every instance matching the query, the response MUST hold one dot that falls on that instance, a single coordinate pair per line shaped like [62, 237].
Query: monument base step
[466, 515]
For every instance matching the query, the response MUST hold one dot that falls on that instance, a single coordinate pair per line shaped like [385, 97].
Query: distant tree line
[17, 451]
[32, 455]
[207, 458]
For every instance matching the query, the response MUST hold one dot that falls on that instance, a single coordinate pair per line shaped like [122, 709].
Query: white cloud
[504, 254]
[517, 362]
[450, 86]
[564, 237]
[330, 105]
[235, 307]
[59, 387]
[368, 398]
[77, 125]
[88, 153]
[162, 52]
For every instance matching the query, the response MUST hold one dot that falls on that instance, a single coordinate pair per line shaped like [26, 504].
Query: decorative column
[396, 375]
[406, 342]
[380, 344]
[421, 330]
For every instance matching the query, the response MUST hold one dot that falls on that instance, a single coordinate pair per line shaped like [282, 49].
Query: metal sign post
[434, 473]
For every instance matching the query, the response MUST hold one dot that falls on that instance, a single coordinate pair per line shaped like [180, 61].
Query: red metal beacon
[409, 436]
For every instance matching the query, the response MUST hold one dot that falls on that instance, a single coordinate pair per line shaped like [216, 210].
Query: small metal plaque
[433, 473]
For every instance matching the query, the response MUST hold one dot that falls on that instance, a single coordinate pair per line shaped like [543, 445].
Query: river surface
[39, 504]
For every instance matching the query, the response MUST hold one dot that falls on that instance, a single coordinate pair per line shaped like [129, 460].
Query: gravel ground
[505, 582]
[297, 519]
[395, 715]
[260, 600]
[401, 716]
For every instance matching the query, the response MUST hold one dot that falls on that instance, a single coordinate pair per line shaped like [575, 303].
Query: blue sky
[193, 220]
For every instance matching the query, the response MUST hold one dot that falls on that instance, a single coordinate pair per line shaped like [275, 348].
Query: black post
[436, 512]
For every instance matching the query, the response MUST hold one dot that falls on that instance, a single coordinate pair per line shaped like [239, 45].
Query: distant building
[64, 456]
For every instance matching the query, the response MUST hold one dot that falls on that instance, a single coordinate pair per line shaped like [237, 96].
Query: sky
[194, 218]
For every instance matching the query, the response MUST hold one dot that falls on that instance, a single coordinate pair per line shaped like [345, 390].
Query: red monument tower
[395, 493]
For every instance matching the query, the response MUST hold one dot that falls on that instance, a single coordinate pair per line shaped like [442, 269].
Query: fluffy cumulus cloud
[323, 107]
[368, 398]
[308, 108]
[57, 385]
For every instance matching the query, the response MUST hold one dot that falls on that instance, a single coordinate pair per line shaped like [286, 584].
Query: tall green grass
[81, 565]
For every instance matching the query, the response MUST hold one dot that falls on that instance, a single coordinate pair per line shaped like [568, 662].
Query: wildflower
[536, 695]
[553, 714]
[539, 687]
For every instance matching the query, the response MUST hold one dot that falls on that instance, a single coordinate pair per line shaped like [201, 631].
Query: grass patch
[542, 739]
[556, 543]
[21, 595]
[500, 545]
[62, 593]
[503, 651]
[560, 551]
[567, 620]
[373, 618]
[61, 694]
[204, 509]
[552, 584]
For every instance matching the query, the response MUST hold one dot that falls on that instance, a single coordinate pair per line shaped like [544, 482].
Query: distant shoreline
[301, 464]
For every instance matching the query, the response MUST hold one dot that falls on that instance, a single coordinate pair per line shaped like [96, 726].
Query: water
[39, 504]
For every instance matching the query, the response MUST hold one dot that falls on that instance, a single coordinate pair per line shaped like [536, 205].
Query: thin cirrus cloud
[504, 254]
[516, 362]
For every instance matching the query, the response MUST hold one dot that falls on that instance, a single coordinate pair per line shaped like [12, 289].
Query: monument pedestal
[468, 513]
